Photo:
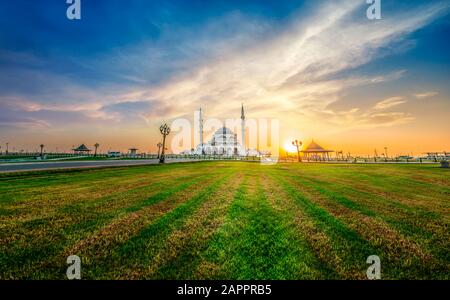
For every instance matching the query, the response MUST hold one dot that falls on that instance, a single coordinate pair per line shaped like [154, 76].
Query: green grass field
[227, 220]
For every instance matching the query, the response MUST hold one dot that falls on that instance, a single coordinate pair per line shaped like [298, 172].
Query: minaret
[243, 129]
[201, 131]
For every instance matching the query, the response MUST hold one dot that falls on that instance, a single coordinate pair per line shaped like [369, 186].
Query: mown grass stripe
[398, 198]
[256, 242]
[288, 256]
[179, 257]
[409, 226]
[22, 261]
[69, 180]
[67, 212]
[344, 239]
[86, 204]
[49, 179]
[140, 247]
[377, 206]
[49, 197]
[315, 245]
[403, 255]
[357, 204]
[398, 186]
[216, 253]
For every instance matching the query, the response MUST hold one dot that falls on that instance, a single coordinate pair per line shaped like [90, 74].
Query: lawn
[227, 220]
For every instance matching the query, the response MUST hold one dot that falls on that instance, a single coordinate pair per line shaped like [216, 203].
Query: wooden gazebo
[315, 152]
[82, 150]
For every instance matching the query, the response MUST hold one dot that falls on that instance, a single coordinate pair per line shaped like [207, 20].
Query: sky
[321, 68]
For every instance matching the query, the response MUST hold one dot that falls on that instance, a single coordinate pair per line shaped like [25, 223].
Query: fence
[289, 158]
[47, 156]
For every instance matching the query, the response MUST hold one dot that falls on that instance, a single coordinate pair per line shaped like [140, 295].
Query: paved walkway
[55, 165]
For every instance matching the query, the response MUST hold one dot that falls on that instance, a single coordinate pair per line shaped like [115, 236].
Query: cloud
[129, 110]
[426, 95]
[356, 118]
[303, 69]
[23, 123]
[300, 69]
[390, 102]
[179, 50]
[128, 107]
[388, 119]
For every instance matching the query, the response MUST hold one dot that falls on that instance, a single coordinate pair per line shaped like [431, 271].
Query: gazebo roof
[314, 147]
[82, 148]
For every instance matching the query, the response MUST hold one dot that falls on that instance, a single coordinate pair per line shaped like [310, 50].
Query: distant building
[315, 152]
[133, 152]
[82, 150]
[223, 142]
[435, 156]
[114, 154]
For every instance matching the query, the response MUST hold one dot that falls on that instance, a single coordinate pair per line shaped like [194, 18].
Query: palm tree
[96, 147]
[42, 149]
[298, 144]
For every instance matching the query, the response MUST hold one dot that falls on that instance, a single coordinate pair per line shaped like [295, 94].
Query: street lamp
[298, 144]
[165, 130]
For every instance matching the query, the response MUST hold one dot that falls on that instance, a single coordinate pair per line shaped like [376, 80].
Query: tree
[298, 144]
[96, 147]
[159, 149]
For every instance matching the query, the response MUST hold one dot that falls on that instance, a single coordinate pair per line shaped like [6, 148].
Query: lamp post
[165, 130]
[298, 144]
[159, 145]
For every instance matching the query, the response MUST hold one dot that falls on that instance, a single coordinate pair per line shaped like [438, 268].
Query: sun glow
[289, 147]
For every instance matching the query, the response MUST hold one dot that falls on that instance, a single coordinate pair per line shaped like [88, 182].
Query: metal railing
[33, 156]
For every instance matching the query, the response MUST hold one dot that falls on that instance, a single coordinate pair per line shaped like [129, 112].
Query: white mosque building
[223, 142]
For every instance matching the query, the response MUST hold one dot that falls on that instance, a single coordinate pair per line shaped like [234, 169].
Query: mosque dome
[223, 130]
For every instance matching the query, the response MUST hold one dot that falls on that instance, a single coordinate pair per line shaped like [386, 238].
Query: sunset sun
[289, 147]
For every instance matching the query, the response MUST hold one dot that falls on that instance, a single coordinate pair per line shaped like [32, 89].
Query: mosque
[223, 142]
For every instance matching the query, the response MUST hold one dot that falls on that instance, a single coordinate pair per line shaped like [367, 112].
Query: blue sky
[321, 66]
